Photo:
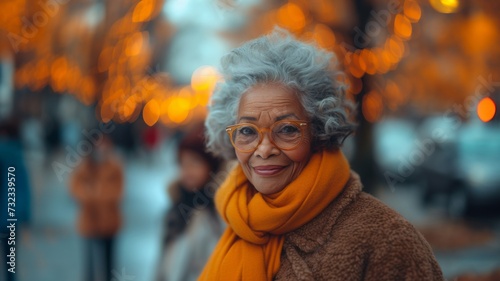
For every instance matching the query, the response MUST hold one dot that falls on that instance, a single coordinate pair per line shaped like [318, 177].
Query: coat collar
[315, 233]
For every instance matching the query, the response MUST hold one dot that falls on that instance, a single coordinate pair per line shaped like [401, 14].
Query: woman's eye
[289, 129]
[246, 131]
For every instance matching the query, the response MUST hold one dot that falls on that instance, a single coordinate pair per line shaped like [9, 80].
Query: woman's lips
[270, 170]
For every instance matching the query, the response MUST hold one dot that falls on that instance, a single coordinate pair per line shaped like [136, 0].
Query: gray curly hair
[280, 58]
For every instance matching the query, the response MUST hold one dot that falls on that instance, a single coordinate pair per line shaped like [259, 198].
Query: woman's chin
[268, 186]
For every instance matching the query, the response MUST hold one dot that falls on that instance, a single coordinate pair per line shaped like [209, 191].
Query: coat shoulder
[358, 237]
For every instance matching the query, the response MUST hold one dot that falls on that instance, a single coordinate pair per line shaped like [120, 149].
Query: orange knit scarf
[250, 248]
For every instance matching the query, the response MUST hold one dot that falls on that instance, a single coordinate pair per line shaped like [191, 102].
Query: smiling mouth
[270, 170]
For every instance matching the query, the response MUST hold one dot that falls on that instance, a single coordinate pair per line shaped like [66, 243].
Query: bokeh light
[486, 109]
[151, 112]
[291, 17]
[412, 10]
[204, 78]
[402, 26]
[178, 109]
[445, 6]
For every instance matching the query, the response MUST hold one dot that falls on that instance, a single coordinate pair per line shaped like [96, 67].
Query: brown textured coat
[357, 238]
[98, 190]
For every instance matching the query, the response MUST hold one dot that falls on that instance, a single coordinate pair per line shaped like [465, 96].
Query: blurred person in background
[97, 186]
[294, 208]
[11, 155]
[192, 226]
[151, 138]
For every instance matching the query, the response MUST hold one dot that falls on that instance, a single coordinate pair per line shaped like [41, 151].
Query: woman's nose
[266, 148]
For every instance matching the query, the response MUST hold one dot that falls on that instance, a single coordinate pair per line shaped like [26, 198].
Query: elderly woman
[294, 209]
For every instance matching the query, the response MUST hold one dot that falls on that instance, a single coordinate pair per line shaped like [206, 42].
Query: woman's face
[269, 169]
[194, 170]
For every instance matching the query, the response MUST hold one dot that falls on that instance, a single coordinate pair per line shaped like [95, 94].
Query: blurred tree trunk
[364, 161]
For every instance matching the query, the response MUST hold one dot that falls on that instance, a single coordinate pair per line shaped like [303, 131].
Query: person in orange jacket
[97, 186]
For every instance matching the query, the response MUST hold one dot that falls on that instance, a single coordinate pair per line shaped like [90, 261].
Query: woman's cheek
[300, 154]
[243, 158]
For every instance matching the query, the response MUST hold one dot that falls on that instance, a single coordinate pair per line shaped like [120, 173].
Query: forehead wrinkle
[253, 108]
[264, 100]
[273, 114]
[272, 103]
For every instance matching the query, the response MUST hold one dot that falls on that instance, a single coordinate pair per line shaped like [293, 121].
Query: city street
[50, 249]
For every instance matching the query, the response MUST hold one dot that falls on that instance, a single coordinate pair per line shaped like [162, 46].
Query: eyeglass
[285, 134]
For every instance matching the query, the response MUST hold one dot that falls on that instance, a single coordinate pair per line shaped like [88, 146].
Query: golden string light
[124, 85]
[129, 89]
